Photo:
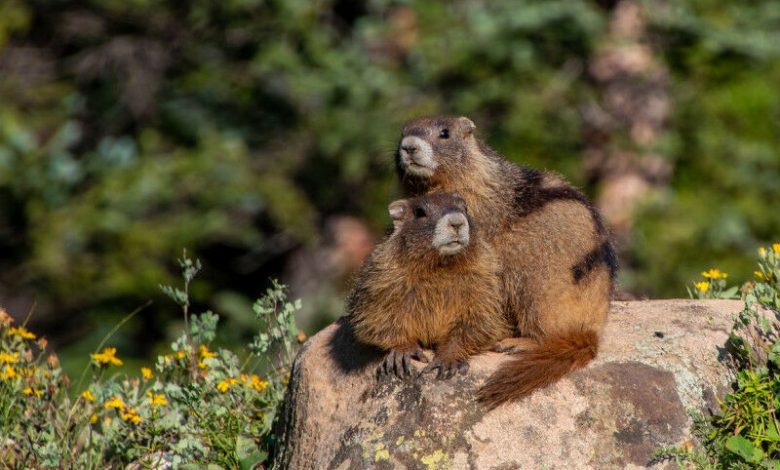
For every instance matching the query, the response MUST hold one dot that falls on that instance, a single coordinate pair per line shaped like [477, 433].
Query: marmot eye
[419, 212]
[444, 134]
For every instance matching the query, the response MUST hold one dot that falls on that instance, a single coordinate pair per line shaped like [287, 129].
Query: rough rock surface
[658, 360]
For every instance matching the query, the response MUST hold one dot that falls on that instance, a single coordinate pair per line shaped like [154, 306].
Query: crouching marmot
[432, 283]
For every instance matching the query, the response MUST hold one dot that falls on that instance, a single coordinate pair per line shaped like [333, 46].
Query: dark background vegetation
[259, 135]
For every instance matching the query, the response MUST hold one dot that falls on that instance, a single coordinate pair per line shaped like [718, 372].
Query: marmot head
[436, 223]
[432, 145]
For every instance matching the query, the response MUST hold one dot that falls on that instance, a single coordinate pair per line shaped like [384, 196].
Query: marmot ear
[398, 210]
[468, 125]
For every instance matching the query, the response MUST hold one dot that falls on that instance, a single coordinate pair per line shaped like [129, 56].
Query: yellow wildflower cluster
[204, 353]
[21, 332]
[702, 286]
[157, 399]
[87, 395]
[178, 355]
[714, 273]
[761, 276]
[31, 391]
[106, 357]
[129, 414]
[8, 373]
[225, 384]
[125, 412]
[254, 381]
[114, 402]
[762, 252]
[147, 373]
[9, 358]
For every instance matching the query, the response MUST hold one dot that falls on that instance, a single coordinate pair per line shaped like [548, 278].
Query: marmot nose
[410, 149]
[456, 221]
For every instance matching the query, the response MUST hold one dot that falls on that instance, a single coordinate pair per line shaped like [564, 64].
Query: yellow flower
[715, 273]
[87, 395]
[9, 358]
[179, 354]
[130, 415]
[107, 356]
[776, 248]
[115, 402]
[202, 365]
[703, 286]
[21, 332]
[8, 373]
[147, 373]
[761, 275]
[761, 251]
[157, 399]
[30, 391]
[224, 385]
[205, 353]
[93, 418]
[258, 384]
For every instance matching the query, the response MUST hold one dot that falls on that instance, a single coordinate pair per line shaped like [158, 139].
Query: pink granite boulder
[659, 360]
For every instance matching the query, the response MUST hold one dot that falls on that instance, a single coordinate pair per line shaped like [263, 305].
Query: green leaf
[252, 460]
[245, 446]
[745, 449]
[730, 293]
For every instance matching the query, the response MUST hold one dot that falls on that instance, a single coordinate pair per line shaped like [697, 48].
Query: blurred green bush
[131, 129]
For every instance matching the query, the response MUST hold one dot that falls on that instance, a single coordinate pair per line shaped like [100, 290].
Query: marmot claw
[398, 362]
[447, 368]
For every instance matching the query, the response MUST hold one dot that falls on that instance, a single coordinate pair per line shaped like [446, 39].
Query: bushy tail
[539, 367]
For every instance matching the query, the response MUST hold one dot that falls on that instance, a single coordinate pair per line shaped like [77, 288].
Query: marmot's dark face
[428, 144]
[436, 223]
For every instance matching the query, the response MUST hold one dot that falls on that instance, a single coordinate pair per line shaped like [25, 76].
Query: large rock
[658, 360]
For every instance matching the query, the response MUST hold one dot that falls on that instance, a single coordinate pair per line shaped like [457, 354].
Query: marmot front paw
[399, 362]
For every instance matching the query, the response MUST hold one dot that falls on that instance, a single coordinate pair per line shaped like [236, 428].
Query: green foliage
[745, 435]
[235, 128]
[198, 407]
[724, 142]
[129, 129]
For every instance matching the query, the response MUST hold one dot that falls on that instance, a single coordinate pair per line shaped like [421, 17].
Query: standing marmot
[557, 263]
[433, 283]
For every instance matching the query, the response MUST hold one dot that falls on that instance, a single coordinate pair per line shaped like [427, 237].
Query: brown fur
[408, 296]
[556, 356]
[557, 263]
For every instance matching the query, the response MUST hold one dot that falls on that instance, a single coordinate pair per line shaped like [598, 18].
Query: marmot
[432, 283]
[558, 265]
